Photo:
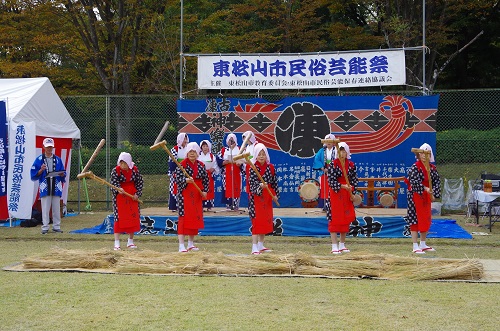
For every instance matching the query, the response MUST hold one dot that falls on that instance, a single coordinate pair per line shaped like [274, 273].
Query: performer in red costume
[127, 177]
[260, 204]
[189, 198]
[231, 171]
[420, 197]
[340, 209]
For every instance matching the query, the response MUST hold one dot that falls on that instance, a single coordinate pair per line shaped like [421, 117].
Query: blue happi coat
[42, 180]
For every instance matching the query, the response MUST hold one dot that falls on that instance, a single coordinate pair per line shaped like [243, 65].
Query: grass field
[82, 301]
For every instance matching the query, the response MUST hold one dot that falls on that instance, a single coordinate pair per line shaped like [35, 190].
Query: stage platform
[296, 222]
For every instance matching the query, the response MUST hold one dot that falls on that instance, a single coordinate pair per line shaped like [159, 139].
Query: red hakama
[233, 181]
[128, 210]
[192, 221]
[342, 209]
[262, 223]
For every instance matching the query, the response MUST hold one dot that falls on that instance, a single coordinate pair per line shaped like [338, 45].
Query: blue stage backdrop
[380, 131]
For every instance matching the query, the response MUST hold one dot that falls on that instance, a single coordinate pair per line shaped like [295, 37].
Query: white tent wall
[35, 100]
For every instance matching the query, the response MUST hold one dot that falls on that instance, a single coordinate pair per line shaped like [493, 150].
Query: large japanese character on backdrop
[298, 129]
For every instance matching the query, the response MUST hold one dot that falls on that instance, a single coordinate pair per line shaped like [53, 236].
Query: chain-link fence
[467, 125]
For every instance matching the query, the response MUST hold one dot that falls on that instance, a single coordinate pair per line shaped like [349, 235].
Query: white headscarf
[181, 137]
[427, 147]
[209, 144]
[127, 158]
[346, 148]
[229, 136]
[252, 138]
[329, 136]
[193, 147]
[260, 147]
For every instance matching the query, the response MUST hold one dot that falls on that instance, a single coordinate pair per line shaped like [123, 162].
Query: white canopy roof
[35, 99]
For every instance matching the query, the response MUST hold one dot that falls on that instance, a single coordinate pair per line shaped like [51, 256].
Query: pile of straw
[356, 265]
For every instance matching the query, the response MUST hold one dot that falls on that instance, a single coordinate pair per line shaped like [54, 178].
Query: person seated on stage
[189, 198]
[126, 210]
[179, 152]
[231, 173]
[420, 197]
[260, 204]
[321, 161]
[340, 208]
[212, 168]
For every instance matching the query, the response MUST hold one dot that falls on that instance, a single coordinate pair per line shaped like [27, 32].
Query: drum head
[358, 198]
[386, 199]
[309, 190]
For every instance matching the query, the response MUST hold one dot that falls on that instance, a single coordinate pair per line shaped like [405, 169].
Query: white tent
[35, 110]
[34, 99]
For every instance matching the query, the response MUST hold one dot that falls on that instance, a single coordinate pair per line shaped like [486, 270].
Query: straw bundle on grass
[204, 263]
[69, 259]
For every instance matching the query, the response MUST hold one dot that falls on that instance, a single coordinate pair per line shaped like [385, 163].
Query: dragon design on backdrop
[299, 127]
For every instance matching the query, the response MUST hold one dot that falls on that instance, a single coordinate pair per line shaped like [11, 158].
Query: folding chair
[494, 212]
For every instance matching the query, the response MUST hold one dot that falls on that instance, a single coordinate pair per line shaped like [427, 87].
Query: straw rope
[299, 264]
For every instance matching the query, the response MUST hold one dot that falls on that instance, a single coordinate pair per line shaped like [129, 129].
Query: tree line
[132, 46]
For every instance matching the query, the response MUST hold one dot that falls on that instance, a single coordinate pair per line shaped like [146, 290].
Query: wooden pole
[247, 158]
[163, 144]
[90, 174]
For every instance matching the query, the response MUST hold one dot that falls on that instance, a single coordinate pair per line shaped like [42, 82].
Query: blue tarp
[239, 225]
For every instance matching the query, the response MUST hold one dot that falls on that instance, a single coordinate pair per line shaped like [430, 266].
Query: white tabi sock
[255, 248]
[422, 244]
[182, 247]
[190, 243]
[117, 243]
[415, 246]
[335, 247]
[130, 242]
[260, 246]
[341, 246]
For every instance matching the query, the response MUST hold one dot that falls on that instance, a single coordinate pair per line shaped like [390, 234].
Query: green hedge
[471, 146]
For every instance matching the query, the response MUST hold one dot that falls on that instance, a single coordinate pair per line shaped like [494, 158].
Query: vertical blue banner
[380, 131]
[4, 154]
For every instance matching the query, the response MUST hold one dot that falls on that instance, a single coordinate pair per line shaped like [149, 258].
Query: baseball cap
[48, 142]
